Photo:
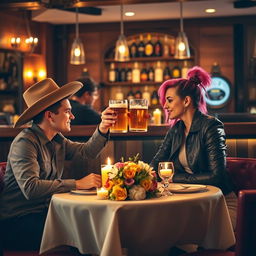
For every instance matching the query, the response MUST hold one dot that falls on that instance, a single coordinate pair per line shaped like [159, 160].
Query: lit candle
[166, 172]
[105, 169]
[157, 116]
[102, 193]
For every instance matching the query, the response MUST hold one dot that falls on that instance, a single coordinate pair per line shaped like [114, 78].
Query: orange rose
[129, 173]
[118, 181]
[146, 184]
[118, 193]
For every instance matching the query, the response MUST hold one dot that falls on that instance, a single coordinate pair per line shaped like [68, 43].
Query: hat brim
[48, 100]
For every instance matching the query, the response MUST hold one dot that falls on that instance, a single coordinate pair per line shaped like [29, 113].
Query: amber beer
[138, 121]
[121, 109]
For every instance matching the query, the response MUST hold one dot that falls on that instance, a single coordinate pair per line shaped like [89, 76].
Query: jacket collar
[196, 123]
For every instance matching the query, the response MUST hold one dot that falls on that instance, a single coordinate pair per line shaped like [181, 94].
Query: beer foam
[118, 105]
[138, 107]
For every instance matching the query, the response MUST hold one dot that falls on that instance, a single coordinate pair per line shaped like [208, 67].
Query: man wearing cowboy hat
[36, 161]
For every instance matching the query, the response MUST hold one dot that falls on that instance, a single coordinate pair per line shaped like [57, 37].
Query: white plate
[186, 188]
[84, 192]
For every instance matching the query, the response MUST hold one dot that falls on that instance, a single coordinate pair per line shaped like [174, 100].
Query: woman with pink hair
[195, 142]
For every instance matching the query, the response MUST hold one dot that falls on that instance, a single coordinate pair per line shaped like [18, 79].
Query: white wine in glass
[166, 172]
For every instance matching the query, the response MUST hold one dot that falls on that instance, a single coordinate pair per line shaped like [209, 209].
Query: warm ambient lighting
[122, 49]
[129, 14]
[35, 76]
[210, 10]
[182, 47]
[15, 42]
[77, 56]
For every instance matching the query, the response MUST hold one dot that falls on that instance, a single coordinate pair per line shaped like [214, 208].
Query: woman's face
[174, 105]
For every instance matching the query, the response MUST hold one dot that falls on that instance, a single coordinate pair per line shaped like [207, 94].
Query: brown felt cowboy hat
[42, 95]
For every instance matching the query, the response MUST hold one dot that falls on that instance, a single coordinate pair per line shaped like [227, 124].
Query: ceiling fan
[244, 3]
[67, 5]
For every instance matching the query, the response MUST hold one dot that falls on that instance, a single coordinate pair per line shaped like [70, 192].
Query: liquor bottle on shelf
[138, 94]
[130, 94]
[151, 74]
[143, 74]
[158, 49]
[112, 75]
[141, 47]
[133, 49]
[172, 46]
[167, 72]
[136, 73]
[129, 73]
[158, 72]
[184, 69]
[149, 48]
[176, 72]
[119, 94]
[122, 74]
[166, 47]
[154, 98]
[146, 94]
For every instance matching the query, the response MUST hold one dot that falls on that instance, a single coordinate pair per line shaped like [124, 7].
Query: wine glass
[165, 172]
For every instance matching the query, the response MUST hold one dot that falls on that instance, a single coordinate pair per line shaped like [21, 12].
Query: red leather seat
[243, 174]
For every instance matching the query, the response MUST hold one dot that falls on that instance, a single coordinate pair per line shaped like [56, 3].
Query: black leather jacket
[205, 151]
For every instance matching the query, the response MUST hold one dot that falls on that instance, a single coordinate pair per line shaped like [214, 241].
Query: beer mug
[121, 109]
[138, 121]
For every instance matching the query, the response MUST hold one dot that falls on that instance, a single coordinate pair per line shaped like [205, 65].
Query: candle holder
[102, 193]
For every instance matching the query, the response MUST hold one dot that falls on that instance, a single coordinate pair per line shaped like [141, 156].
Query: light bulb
[121, 49]
[77, 52]
[182, 46]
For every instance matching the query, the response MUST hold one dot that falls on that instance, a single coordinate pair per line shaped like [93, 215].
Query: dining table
[144, 227]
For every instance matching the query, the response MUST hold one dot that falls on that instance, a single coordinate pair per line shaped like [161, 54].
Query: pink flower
[153, 185]
[129, 182]
[119, 165]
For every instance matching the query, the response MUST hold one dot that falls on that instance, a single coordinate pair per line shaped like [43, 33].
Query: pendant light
[182, 48]
[122, 49]
[77, 56]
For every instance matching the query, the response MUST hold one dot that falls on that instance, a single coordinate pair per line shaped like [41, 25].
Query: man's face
[61, 122]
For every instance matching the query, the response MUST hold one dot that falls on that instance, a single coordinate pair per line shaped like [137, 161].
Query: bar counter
[233, 130]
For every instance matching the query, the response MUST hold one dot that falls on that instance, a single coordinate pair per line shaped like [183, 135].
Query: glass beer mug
[121, 109]
[138, 121]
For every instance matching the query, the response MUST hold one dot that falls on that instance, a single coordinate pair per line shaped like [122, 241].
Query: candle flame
[108, 161]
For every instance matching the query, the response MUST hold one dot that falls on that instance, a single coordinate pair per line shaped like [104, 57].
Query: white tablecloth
[147, 227]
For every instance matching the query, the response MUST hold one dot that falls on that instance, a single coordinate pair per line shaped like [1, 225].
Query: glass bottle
[133, 49]
[129, 73]
[138, 94]
[158, 48]
[119, 94]
[130, 94]
[158, 72]
[154, 98]
[122, 73]
[149, 48]
[141, 47]
[112, 76]
[176, 72]
[136, 73]
[184, 69]
[151, 74]
[144, 74]
[167, 72]
[146, 94]
[166, 48]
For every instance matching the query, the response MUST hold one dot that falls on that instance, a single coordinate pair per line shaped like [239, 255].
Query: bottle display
[176, 72]
[144, 74]
[167, 72]
[154, 98]
[133, 49]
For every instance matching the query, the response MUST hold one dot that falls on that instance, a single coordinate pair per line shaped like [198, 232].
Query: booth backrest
[2, 171]
[242, 172]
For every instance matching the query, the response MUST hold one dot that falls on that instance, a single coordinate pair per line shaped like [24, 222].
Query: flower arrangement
[133, 179]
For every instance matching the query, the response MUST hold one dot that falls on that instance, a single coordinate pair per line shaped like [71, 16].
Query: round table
[147, 227]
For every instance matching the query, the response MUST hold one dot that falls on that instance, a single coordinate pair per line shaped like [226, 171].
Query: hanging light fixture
[182, 48]
[77, 56]
[122, 49]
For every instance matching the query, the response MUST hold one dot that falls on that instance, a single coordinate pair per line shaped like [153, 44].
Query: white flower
[137, 192]
[145, 167]
[113, 173]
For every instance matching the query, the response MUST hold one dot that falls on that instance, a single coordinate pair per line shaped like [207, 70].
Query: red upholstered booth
[243, 174]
